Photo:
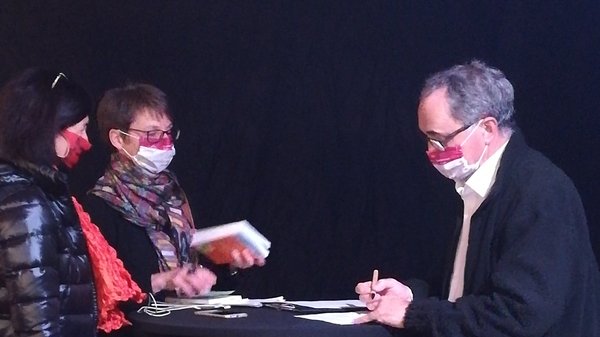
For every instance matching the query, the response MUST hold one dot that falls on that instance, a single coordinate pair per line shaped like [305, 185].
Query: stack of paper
[228, 300]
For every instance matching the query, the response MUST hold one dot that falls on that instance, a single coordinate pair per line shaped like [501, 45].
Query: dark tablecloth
[261, 322]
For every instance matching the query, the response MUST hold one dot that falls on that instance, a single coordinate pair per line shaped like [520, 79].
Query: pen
[220, 314]
[373, 281]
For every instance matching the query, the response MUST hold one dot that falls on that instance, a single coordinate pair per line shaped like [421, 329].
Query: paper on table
[269, 300]
[230, 300]
[223, 300]
[333, 304]
[257, 302]
[216, 293]
[339, 318]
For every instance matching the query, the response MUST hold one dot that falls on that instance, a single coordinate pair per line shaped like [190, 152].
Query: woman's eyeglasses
[155, 136]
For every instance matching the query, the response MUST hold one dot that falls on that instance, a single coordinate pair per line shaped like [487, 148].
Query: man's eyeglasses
[441, 144]
[155, 136]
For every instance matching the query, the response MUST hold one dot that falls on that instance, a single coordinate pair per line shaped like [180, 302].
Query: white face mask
[153, 160]
[459, 169]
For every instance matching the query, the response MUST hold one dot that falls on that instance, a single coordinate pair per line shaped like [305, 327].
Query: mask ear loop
[133, 158]
[470, 134]
[123, 149]
[68, 147]
[127, 153]
[476, 164]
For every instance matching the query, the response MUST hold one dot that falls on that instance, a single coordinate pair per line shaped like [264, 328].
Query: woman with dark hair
[46, 277]
[46, 281]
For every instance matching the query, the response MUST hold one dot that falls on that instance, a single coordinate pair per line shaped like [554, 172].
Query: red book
[218, 242]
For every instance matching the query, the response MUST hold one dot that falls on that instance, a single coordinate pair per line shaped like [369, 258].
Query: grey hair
[475, 91]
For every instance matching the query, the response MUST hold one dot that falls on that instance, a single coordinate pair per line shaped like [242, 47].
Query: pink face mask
[451, 162]
[438, 157]
[77, 146]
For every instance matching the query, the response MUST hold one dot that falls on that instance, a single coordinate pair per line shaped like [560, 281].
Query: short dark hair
[34, 107]
[474, 91]
[119, 106]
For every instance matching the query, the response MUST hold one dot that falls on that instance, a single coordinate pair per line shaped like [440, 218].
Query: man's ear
[116, 139]
[490, 125]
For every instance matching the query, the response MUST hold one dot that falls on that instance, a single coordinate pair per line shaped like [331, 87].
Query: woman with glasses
[46, 279]
[138, 203]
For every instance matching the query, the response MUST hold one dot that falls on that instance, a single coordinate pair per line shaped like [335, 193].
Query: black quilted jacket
[46, 283]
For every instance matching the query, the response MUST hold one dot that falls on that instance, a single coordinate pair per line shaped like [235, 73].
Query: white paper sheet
[230, 300]
[336, 304]
[257, 302]
[340, 318]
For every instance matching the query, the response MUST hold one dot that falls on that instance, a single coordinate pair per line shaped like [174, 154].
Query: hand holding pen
[387, 300]
[374, 280]
[370, 292]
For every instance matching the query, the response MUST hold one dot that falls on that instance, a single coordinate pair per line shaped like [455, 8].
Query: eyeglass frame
[439, 144]
[162, 135]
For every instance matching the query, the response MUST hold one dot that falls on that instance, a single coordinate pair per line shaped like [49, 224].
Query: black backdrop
[301, 115]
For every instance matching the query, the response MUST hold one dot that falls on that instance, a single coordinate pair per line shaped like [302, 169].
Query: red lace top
[113, 282]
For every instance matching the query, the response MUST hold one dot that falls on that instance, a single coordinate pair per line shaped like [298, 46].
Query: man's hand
[389, 304]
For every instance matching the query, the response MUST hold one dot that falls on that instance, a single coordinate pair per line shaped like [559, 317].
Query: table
[261, 322]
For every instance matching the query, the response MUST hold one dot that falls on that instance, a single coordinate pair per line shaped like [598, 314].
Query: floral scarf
[156, 203]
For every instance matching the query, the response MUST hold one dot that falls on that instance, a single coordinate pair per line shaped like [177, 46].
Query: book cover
[218, 242]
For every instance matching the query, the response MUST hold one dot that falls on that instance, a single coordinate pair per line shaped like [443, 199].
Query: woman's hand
[185, 281]
[245, 259]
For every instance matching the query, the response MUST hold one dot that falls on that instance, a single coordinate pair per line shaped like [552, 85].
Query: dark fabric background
[300, 116]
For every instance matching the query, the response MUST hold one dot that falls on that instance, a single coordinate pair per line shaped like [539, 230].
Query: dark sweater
[131, 242]
[530, 269]
[137, 252]
[133, 245]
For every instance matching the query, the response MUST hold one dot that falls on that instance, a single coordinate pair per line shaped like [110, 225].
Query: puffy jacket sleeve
[30, 262]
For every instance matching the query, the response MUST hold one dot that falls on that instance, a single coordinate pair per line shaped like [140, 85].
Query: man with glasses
[523, 263]
[138, 203]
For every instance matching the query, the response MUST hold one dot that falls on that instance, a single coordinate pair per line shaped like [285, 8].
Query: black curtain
[300, 116]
